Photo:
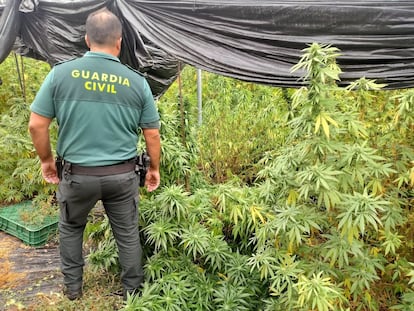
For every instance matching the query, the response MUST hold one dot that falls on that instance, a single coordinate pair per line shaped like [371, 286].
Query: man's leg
[120, 199]
[76, 195]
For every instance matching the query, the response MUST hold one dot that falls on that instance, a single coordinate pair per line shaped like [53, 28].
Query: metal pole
[199, 97]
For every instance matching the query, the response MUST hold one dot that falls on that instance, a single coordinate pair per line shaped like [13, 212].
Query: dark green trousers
[77, 195]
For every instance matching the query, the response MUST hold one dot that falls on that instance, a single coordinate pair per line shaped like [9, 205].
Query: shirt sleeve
[43, 103]
[149, 117]
[151, 125]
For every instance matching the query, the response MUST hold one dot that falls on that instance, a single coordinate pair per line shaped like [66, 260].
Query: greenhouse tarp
[257, 41]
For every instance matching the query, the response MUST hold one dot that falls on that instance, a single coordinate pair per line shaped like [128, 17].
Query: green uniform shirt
[99, 105]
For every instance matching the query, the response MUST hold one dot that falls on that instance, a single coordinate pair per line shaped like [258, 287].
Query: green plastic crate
[31, 234]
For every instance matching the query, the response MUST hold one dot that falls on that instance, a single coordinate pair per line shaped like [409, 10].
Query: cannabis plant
[314, 214]
[20, 168]
[331, 188]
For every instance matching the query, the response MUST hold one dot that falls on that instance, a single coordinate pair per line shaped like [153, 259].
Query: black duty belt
[114, 169]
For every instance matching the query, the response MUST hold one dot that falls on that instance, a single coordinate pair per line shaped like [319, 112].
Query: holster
[142, 163]
[59, 166]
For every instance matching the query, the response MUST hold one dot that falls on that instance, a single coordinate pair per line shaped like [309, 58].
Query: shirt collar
[101, 55]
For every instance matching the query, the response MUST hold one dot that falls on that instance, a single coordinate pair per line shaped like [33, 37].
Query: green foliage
[161, 234]
[318, 293]
[19, 166]
[230, 140]
[105, 256]
[280, 200]
[360, 211]
[177, 156]
[103, 251]
[230, 297]
[172, 203]
[195, 241]
[217, 253]
[286, 272]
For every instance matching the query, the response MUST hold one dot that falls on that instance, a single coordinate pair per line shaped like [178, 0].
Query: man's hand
[49, 171]
[152, 179]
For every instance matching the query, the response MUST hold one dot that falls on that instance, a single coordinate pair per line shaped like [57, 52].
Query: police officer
[100, 106]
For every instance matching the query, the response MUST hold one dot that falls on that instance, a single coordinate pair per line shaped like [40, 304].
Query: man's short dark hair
[103, 27]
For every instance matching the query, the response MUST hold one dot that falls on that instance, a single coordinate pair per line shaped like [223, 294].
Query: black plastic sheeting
[257, 41]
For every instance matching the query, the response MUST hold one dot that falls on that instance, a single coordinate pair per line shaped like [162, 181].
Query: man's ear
[88, 43]
[119, 43]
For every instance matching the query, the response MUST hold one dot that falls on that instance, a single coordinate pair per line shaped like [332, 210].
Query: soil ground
[27, 272]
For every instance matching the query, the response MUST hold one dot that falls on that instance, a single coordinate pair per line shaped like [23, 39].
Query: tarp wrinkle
[256, 41]
[28, 6]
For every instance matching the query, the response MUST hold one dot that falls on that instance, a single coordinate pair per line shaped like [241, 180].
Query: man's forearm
[39, 132]
[41, 143]
[153, 144]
